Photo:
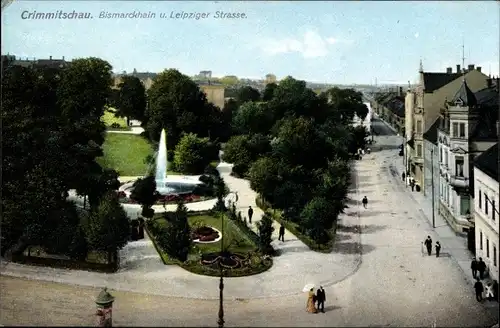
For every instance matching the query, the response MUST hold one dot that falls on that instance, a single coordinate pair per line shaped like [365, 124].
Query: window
[440, 155]
[459, 166]
[494, 255]
[480, 199]
[446, 157]
[461, 132]
[485, 204]
[493, 212]
[419, 126]
[480, 240]
[454, 131]
[464, 205]
[487, 248]
[419, 150]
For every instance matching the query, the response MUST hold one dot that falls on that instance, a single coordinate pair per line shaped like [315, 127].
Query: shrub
[192, 154]
[239, 170]
[115, 125]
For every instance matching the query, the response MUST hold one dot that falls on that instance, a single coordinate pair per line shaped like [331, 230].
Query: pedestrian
[481, 267]
[438, 248]
[473, 267]
[428, 245]
[403, 176]
[412, 184]
[321, 298]
[365, 201]
[250, 214]
[478, 286]
[495, 289]
[489, 291]
[282, 233]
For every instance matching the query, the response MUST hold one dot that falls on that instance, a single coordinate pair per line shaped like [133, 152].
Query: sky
[342, 42]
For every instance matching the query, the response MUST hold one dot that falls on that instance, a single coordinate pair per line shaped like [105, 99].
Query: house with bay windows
[468, 126]
[486, 214]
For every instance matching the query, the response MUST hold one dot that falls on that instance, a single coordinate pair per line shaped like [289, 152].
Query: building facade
[486, 213]
[467, 128]
[423, 104]
[431, 164]
[390, 106]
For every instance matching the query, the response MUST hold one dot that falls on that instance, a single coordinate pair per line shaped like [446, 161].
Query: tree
[108, 227]
[317, 219]
[358, 138]
[264, 176]
[229, 80]
[192, 154]
[269, 90]
[293, 98]
[237, 150]
[175, 239]
[265, 230]
[177, 104]
[144, 193]
[246, 94]
[131, 99]
[252, 118]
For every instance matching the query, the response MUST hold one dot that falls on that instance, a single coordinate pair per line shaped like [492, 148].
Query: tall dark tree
[176, 104]
[265, 231]
[108, 227]
[144, 193]
[246, 94]
[131, 99]
[268, 92]
[252, 118]
[175, 239]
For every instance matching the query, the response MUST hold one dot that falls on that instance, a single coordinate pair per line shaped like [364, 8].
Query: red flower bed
[204, 234]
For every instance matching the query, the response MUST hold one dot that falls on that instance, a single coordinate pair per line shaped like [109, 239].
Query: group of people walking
[428, 245]
[316, 302]
[281, 236]
[491, 291]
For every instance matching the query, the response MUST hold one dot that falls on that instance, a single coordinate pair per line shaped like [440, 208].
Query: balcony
[443, 169]
[459, 182]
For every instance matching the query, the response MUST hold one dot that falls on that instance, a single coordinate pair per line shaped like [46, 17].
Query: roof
[488, 101]
[432, 133]
[487, 97]
[488, 162]
[465, 96]
[433, 81]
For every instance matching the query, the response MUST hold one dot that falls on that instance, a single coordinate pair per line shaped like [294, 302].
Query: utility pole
[432, 189]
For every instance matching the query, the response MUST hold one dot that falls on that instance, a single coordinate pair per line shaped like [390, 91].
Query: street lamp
[220, 321]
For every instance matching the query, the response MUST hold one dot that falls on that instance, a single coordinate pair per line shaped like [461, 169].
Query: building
[205, 75]
[486, 214]
[213, 91]
[431, 164]
[468, 126]
[390, 106]
[270, 78]
[423, 104]
[9, 60]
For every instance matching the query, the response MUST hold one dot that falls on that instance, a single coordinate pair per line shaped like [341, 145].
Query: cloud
[312, 45]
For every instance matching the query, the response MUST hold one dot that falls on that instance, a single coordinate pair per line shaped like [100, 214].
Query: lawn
[126, 153]
[235, 240]
[109, 118]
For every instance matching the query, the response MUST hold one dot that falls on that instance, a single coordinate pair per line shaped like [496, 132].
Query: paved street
[395, 284]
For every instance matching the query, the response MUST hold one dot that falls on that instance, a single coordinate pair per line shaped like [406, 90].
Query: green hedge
[295, 229]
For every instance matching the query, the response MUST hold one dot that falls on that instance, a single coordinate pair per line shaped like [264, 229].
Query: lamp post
[432, 190]
[220, 321]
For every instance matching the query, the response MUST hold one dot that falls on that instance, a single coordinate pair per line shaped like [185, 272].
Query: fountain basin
[172, 185]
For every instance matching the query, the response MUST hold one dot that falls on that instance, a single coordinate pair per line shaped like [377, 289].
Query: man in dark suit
[281, 235]
[481, 267]
[321, 298]
[473, 267]
[478, 286]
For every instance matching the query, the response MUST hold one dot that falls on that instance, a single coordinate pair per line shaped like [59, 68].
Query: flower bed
[204, 234]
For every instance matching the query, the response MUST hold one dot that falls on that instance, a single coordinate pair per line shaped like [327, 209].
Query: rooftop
[432, 133]
[434, 81]
[488, 162]
[464, 96]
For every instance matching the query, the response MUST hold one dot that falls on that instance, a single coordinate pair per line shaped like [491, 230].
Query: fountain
[167, 185]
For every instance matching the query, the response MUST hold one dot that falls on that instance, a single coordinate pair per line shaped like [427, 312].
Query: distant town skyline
[325, 42]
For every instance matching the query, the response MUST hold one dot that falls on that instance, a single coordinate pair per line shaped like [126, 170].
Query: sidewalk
[452, 243]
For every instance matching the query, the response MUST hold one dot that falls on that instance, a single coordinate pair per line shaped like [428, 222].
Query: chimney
[478, 68]
[63, 57]
[471, 67]
[458, 69]
[50, 57]
[448, 70]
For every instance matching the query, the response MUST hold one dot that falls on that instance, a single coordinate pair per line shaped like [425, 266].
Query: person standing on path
[478, 286]
[281, 235]
[438, 248]
[321, 298]
[473, 267]
[428, 245]
[250, 214]
[481, 267]
[365, 202]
